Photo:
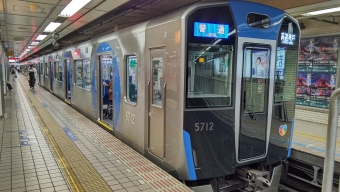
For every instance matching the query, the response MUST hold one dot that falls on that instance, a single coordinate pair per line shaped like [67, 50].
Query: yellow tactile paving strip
[314, 137]
[154, 176]
[80, 174]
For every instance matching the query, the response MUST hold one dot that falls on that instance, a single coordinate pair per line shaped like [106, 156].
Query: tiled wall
[312, 114]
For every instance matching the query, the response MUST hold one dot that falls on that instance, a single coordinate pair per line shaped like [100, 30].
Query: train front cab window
[210, 51]
[131, 79]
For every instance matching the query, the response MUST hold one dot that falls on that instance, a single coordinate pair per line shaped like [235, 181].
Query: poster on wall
[260, 64]
[317, 69]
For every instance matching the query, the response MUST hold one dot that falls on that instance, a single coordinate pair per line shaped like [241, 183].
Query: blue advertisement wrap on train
[211, 30]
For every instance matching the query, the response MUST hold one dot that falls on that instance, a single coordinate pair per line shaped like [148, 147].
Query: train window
[210, 80]
[58, 71]
[258, 20]
[131, 79]
[79, 73]
[86, 74]
[157, 83]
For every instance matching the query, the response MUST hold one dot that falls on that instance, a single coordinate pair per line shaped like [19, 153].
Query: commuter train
[207, 92]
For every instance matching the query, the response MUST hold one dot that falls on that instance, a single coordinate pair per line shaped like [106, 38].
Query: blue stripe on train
[188, 155]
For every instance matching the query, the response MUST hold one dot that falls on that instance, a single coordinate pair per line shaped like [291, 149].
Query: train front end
[239, 103]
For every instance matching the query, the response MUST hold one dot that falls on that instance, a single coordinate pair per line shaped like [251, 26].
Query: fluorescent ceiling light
[30, 47]
[41, 37]
[34, 43]
[27, 50]
[51, 27]
[73, 7]
[322, 11]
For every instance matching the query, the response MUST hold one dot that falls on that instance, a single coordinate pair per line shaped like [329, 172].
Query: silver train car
[207, 92]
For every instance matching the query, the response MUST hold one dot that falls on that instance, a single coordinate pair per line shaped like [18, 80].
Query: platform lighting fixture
[41, 37]
[331, 10]
[30, 47]
[34, 43]
[73, 7]
[51, 27]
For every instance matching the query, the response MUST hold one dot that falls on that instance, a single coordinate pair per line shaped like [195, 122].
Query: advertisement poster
[317, 69]
[260, 64]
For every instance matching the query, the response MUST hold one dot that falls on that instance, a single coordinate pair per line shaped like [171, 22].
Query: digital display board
[287, 38]
[211, 30]
[280, 62]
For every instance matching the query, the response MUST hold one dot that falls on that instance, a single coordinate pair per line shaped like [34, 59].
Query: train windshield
[209, 75]
[211, 39]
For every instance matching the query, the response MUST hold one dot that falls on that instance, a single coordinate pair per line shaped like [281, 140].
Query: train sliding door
[254, 102]
[105, 76]
[157, 103]
[51, 76]
[68, 80]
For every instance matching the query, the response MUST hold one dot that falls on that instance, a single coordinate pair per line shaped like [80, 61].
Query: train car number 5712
[208, 126]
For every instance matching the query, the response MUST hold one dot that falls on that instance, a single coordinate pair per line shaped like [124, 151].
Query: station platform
[48, 146]
[309, 144]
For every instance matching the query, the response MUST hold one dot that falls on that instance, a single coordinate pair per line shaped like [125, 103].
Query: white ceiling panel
[24, 20]
[109, 5]
[18, 33]
[28, 8]
[91, 16]
[23, 28]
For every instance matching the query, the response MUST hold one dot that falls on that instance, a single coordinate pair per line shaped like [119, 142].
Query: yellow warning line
[65, 167]
[313, 137]
[104, 125]
[67, 102]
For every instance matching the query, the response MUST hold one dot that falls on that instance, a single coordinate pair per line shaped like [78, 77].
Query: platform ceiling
[23, 20]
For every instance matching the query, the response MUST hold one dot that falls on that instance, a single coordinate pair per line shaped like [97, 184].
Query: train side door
[68, 80]
[254, 102]
[157, 103]
[51, 77]
[105, 76]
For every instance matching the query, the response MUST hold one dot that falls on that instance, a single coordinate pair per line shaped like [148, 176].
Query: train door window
[86, 74]
[209, 79]
[58, 71]
[41, 69]
[131, 79]
[157, 82]
[46, 70]
[79, 73]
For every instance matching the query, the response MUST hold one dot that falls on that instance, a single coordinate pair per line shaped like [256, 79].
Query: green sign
[133, 63]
